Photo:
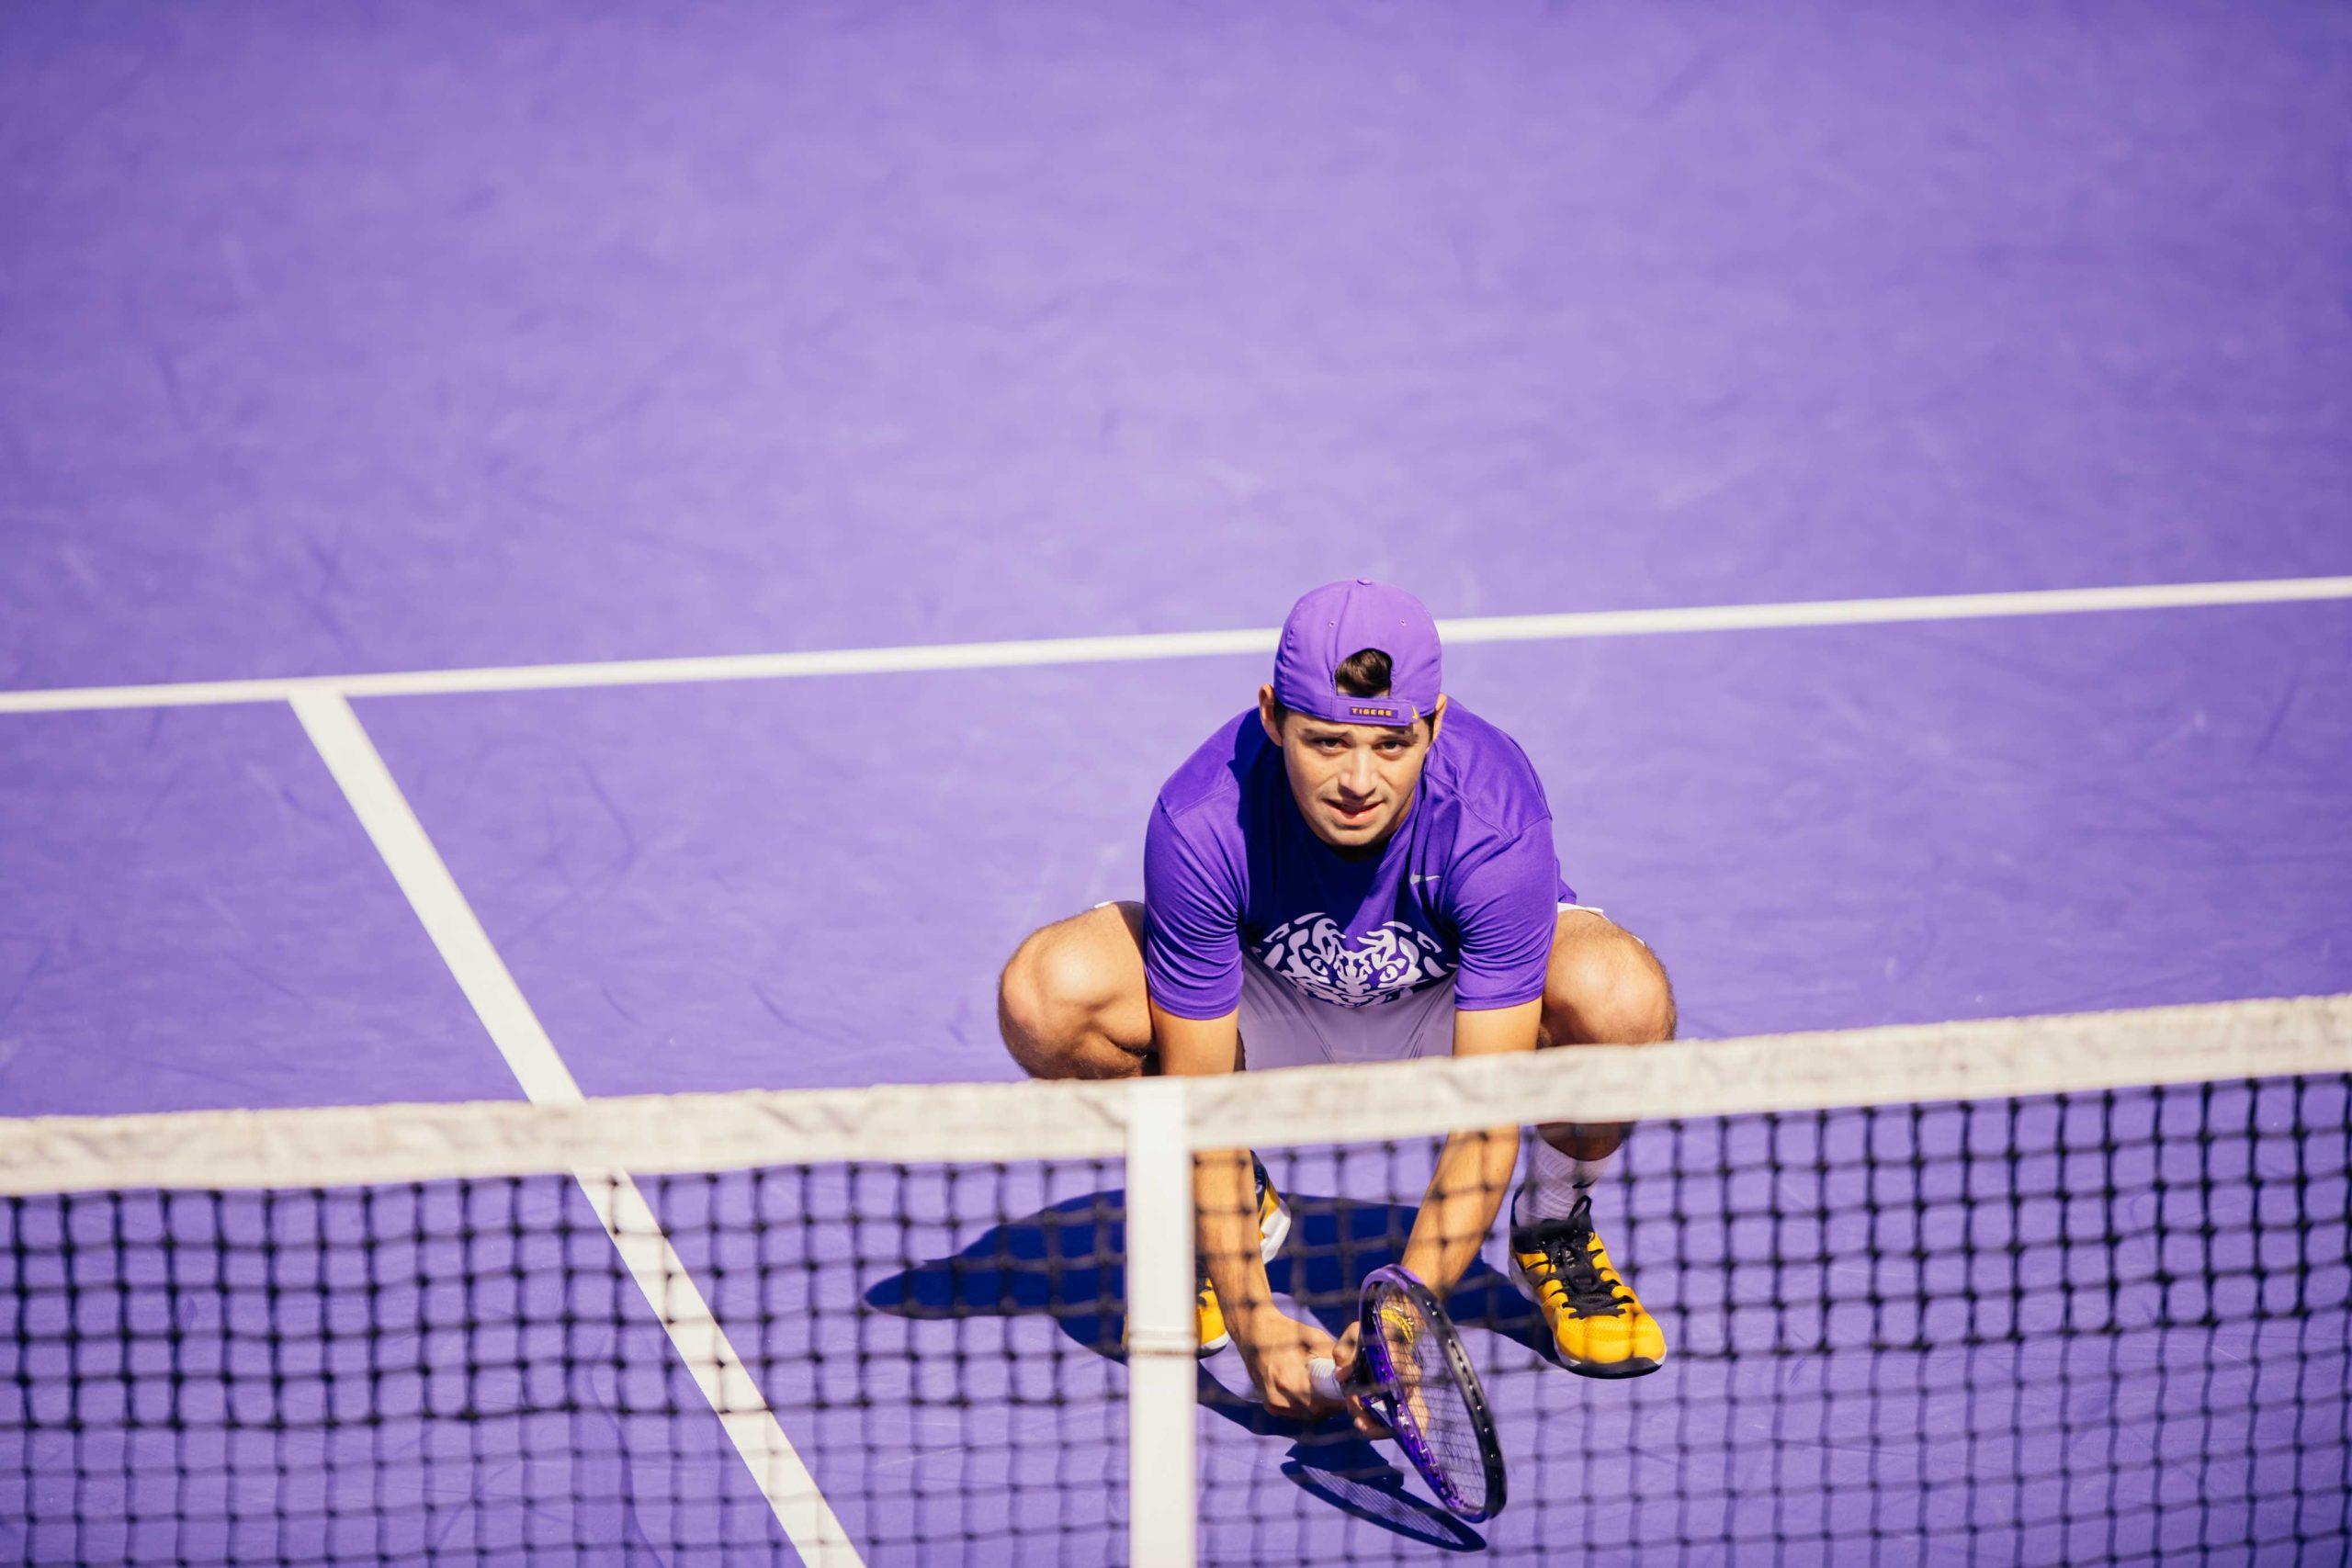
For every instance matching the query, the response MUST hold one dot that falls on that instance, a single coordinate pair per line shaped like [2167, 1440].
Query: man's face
[1353, 782]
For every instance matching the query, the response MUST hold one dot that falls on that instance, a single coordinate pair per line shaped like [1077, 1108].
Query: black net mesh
[2098, 1327]
[2108, 1328]
[466, 1371]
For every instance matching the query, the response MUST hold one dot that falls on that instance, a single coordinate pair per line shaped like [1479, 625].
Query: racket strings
[1429, 1395]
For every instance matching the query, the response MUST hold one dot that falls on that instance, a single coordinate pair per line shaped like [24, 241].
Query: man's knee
[1058, 1005]
[1605, 986]
[1042, 997]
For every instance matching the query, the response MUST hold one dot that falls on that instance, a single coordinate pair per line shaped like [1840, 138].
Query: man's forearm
[1224, 1194]
[1474, 1168]
[1473, 1173]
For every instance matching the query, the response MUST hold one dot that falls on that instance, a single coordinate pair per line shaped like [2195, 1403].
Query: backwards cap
[1341, 618]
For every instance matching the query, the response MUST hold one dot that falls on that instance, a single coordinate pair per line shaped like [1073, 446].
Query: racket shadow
[1376, 1494]
[1332, 1462]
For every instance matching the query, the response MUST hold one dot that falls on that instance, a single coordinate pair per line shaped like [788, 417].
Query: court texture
[558, 551]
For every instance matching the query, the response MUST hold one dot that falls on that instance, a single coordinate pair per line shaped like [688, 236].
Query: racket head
[1425, 1388]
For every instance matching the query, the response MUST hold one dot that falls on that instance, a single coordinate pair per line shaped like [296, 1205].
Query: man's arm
[1503, 898]
[1193, 957]
[1474, 1168]
[1275, 1347]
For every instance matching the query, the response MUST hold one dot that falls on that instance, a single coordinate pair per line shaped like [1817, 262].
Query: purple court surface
[340, 341]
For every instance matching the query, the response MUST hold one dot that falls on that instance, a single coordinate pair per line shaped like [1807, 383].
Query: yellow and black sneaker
[1595, 1318]
[1274, 1226]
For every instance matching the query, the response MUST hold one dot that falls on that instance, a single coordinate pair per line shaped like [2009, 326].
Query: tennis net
[2055, 1289]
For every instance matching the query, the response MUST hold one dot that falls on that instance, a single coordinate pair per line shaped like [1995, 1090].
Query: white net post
[1162, 1340]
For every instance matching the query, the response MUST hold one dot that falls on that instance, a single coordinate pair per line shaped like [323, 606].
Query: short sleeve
[1506, 906]
[1192, 945]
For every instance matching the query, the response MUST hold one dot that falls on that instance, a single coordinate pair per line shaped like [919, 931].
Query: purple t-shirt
[1468, 885]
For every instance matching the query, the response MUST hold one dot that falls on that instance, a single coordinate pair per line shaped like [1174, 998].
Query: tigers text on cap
[1343, 618]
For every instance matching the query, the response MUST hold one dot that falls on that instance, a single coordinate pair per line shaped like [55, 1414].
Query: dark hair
[1364, 673]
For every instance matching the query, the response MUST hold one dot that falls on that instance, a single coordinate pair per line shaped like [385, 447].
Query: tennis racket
[1413, 1373]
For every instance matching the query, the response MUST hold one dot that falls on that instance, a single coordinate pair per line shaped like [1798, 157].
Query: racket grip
[1326, 1376]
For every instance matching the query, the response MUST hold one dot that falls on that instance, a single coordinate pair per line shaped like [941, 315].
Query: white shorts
[1283, 1027]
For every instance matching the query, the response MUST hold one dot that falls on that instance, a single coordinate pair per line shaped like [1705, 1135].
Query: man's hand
[1344, 1363]
[1279, 1350]
[1276, 1348]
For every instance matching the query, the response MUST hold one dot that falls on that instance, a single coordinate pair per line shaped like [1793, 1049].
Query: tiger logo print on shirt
[1315, 954]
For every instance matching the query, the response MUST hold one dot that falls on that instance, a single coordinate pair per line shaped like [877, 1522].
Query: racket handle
[1326, 1376]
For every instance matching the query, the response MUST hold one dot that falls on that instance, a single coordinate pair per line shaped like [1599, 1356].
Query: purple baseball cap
[1341, 618]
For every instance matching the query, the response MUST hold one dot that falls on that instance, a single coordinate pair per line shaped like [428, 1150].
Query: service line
[1170, 644]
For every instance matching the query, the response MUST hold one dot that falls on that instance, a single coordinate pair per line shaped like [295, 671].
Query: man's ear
[1266, 715]
[1437, 717]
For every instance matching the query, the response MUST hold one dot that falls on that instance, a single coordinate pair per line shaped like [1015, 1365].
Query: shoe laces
[1574, 1253]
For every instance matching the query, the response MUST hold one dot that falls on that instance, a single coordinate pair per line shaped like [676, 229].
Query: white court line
[1170, 645]
[776, 1467]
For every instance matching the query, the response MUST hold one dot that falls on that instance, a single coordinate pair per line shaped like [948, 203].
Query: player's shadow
[1068, 1262]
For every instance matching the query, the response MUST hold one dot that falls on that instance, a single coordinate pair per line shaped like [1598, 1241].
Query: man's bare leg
[1071, 1002]
[1604, 987]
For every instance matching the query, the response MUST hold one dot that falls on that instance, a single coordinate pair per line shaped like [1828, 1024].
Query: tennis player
[1355, 870]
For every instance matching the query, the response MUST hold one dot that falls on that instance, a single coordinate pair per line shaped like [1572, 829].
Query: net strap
[651, 1135]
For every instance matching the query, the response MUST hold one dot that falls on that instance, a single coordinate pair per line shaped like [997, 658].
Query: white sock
[1554, 1181]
